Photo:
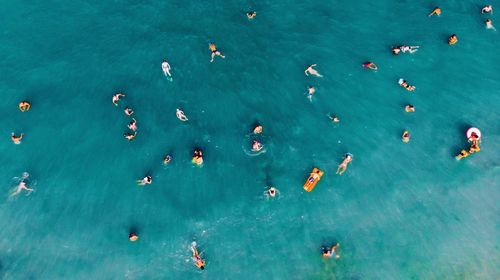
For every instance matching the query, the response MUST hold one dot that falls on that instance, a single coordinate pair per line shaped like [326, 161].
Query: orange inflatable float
[313, 179]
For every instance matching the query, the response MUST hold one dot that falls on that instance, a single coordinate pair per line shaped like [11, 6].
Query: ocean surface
[401, 210]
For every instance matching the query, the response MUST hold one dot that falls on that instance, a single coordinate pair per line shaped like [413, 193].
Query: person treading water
[22, 185]
[16, 139]
[257, 146]
[128, 111]
[271, 192]
[310, 91]
[489, 24]
[312, 71]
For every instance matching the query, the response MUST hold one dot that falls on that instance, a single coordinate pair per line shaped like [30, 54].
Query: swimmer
[370, 65]
[16, 139]
[334, 118]
[257, 146]
[436, 11]
[310, 91]
[410, 49]
[145, 181]
[180, 115]
[258, 129]
[474, 148]
[130, 136]
[215, 52]
[198, 261]
[133, 237]
[198, 157]
[22, 185]
[312, 71]
[128, 111]
[271, 192]
[473, 138]
[404, 84]
[487, 9]
[330, 252]
[406, 136]
[117, 97]
[452, 40]
[24, 106]
[251, 15]
[489, 24]
[165, 67]
[396, 51]
[343, 166]
[167, 159]
[132, 125]
[463, 154]
[409, 108]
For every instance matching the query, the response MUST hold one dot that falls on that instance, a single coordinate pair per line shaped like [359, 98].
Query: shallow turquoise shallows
[400, 211]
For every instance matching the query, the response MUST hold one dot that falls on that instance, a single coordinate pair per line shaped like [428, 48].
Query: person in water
[198, 157]
[409, 108]
[180, 115]
[148, 180]
[198, 261]
[258, 129]
[133, 236]
[271, 192]
[310, 91]
[334, 118]
[312, 71]
[462, 154]
[436, 11]
[343, 166]
[130, 136]
[16, 139]
[251, 15]
[405, 84]
[257, 146]
[117, 97]
[128, 111]
[452, 40]
[406, 136]
[487, 9]
[215, 52]
[22, 185]
[167, 159]
[370, 65]
[489, 24]
[330, 252]
[132, 125]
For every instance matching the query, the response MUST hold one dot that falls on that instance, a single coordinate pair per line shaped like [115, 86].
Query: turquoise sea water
[401, 211]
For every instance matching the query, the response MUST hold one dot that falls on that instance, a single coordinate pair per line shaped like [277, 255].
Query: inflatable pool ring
[473, 130]
[370, 65]
[313, 179]
[24, 106]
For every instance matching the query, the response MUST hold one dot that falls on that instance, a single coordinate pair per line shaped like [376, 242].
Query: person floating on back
[117, 97]
[312, 71]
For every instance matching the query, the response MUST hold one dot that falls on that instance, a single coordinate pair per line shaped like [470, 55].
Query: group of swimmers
[474, 139]
[132, 126]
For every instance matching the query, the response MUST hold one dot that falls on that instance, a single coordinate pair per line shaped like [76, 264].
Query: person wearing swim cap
[343, 166]
[198, 261]
[215, 52]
